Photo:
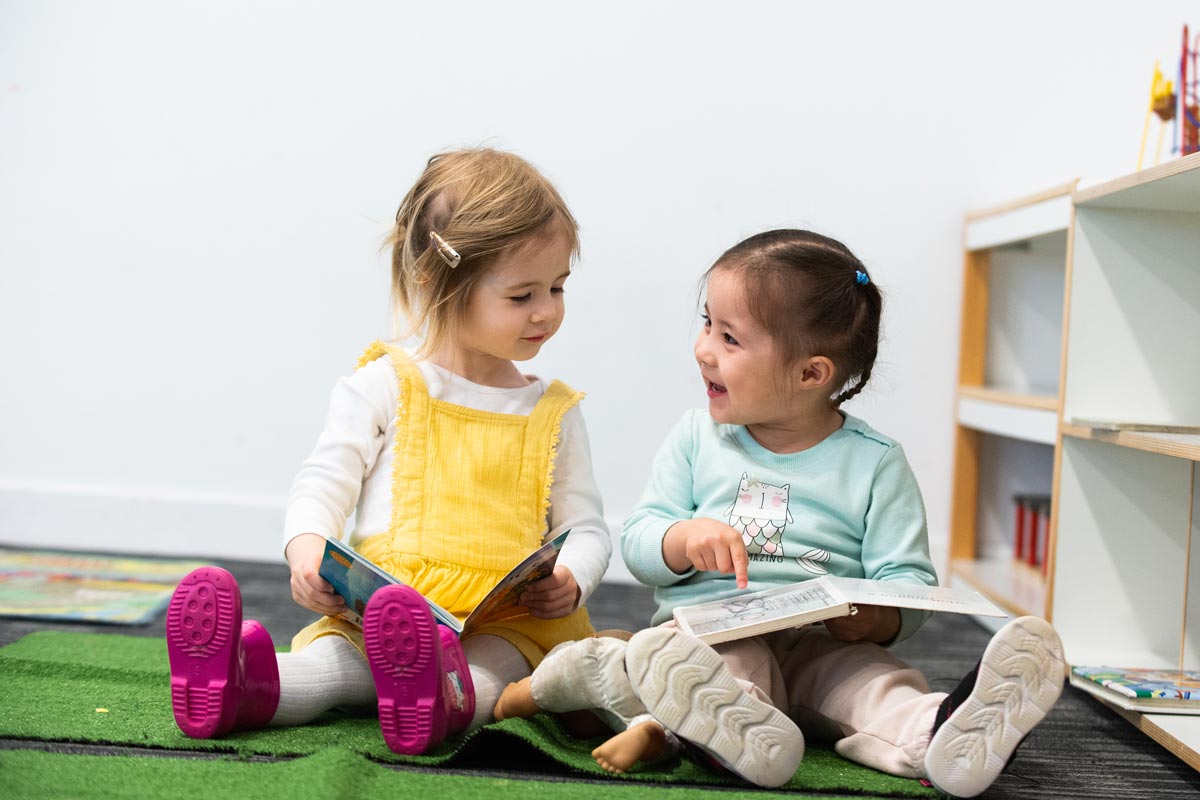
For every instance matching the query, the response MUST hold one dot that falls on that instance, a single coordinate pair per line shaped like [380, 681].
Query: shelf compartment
[1017, 588]
[1031, 418]
[1020, 220]
[1007, 468]
[1124, 534]
[1134, 330]
[1176, 445]
[1025, 287]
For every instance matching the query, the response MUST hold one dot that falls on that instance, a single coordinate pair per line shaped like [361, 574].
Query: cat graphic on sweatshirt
[760, 513]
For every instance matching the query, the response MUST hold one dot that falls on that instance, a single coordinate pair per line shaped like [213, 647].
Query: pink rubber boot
[223, 671]
[260, 678]
[460, 689]
[421, 677]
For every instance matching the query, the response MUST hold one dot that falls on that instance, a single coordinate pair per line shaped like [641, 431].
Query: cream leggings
[876, 709]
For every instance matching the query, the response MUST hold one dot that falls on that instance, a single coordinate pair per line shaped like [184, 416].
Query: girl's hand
[553, 596]
[707, 545]
[877, 624]
[309, 589]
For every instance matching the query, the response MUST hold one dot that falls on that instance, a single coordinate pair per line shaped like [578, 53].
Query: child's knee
[748, 660]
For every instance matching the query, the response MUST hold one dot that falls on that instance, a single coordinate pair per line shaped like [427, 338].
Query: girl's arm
[575, 504]
[309, 589]
[896, 543]
[327, 487]
[666, 501]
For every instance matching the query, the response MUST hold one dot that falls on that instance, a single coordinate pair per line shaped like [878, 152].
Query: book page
[355, 579]
[502, 602]
[916, 595]
[795, 602]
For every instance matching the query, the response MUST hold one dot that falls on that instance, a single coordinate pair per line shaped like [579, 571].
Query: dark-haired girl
[771, 484]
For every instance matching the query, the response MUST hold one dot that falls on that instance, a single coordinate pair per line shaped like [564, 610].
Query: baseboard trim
[124, 519]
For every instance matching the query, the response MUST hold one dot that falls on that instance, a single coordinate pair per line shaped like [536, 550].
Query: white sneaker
[687, 687]
[979, 724]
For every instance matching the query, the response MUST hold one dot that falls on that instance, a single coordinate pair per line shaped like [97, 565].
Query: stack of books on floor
[1150, 691]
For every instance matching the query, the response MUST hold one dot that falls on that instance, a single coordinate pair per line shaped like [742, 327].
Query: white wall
[192, 198]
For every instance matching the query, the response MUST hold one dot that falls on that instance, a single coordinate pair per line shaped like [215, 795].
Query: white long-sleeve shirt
[350, 469]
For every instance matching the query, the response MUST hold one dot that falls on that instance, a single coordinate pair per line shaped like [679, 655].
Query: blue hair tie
[861, 278]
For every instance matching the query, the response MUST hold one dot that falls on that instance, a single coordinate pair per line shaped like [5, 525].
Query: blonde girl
[456, 466]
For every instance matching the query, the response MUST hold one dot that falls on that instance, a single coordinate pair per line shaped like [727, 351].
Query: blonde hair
[482, 203]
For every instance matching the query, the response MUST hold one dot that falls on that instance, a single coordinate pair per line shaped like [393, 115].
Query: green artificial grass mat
[113, 689]
[328, 774]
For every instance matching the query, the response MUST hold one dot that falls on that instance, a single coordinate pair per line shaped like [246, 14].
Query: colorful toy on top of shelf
[1189, 95]
[1181, 108]
[1162, 105]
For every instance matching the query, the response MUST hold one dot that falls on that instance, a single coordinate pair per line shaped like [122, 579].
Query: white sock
[589, 673]
[326, 674]
[494, 663]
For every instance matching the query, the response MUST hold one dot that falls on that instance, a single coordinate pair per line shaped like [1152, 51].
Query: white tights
[330, 673]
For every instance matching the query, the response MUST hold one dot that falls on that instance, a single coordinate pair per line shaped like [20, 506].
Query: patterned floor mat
[41, 584]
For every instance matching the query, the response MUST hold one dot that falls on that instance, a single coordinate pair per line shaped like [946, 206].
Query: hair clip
[861, 278]
[447, 253]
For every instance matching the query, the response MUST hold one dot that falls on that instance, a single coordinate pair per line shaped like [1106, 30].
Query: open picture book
[355, 579]
[1153, 691]
[810, 601]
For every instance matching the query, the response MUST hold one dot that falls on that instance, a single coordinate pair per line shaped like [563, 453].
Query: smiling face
[512, 310]
[739, 361]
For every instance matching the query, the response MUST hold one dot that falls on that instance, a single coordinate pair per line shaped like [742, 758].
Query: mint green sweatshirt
[848, 506]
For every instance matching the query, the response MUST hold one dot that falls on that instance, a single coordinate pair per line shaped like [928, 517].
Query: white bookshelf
[1124, 588]
[1007, 409]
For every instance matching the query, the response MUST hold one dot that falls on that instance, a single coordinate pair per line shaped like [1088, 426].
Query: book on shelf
[1134, 427]
[819, 599]
[1153, 691]
[355, 579]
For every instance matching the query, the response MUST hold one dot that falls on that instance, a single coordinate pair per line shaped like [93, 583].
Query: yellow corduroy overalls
[470, 494]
